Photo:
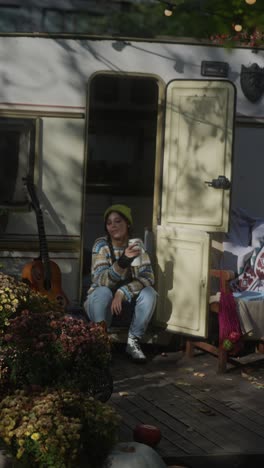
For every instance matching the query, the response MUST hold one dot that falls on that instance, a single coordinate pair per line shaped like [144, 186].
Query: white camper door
[183, 258]
[198, 149]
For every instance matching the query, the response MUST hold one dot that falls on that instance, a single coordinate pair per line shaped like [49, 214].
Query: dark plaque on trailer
[252, 81]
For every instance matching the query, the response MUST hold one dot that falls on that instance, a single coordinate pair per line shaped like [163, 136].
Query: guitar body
[43, 274]
[34, 273]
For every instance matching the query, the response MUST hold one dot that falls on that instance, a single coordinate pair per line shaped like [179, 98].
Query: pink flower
[234, 337]
[53, 324]
[8, 337]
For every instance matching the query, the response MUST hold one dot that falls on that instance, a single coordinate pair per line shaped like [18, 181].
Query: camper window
[17, 148]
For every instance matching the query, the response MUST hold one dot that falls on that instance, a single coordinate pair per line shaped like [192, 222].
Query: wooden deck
[206, 419]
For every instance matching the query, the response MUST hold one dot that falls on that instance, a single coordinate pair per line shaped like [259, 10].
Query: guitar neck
[43, 247]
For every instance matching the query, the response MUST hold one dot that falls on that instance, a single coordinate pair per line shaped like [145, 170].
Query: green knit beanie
[122, 209]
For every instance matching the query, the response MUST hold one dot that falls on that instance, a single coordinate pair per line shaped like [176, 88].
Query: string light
[238, 27]
[168, 10]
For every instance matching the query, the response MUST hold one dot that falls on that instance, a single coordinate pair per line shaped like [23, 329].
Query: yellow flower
[20, 452]
[35, 436]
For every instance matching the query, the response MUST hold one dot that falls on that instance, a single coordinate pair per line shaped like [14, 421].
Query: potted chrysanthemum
[54, 382]
[57, 428]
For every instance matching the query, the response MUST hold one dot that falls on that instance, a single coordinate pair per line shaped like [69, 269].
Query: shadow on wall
[165, 280]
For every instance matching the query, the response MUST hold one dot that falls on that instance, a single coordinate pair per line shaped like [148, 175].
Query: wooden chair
[221, 354]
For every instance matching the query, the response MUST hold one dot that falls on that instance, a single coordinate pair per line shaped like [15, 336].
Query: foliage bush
[53, 428]
[16, 296]
[38, 349]
[51, 367]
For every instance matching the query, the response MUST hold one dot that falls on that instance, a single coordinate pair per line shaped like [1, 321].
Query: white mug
[139, 244]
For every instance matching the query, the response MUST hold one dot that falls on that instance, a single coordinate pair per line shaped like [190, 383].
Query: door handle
[220, 183]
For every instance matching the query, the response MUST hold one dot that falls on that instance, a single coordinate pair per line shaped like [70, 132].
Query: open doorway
[121, 153]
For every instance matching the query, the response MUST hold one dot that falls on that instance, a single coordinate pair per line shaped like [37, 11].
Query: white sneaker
[134, 350]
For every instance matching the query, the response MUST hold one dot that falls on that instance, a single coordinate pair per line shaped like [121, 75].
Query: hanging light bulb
[238, 27]
[168, 10]
[250, 2]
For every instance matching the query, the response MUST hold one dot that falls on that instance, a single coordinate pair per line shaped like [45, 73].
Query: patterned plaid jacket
[105, 272]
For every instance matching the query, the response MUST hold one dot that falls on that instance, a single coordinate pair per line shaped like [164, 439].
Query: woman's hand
[132, 251]
[116, 306]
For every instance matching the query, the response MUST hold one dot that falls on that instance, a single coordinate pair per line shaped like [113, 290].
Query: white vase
[133, 455]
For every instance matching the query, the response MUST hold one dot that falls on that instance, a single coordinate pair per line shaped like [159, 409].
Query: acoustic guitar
[43, 274]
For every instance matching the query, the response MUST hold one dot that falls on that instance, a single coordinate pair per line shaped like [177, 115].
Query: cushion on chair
[257, 237]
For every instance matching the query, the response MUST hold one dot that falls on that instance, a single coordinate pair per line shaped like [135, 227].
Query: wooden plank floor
[202, 416]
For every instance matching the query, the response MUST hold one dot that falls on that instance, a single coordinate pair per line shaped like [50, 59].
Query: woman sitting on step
[121, 274]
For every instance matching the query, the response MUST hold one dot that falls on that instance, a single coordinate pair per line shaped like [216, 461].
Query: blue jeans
[98, 308]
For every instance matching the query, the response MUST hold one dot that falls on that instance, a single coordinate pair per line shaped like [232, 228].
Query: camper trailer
[163, 127]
